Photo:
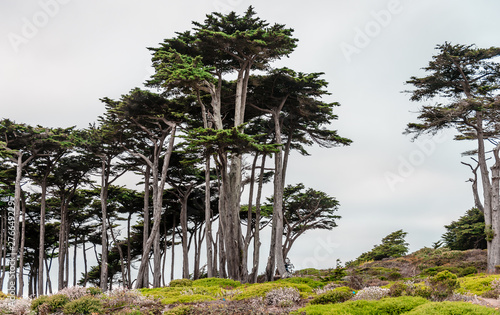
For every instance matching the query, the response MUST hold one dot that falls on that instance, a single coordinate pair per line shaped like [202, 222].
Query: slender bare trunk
[104, 232]
[256, 238]
[183, 221]
[41, 246]
[173, 249]
[157, 203]
[208, 219]
[147, 220]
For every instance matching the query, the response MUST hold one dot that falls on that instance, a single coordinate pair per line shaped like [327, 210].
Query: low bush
[215, 282]
[478, 284]
[337, 295]
[451, 308]
[313, 284]
[261, 289]
[443, 284]
[181, 283]
[393, 306]
[94, 291]
[84, 305]
[49, 304]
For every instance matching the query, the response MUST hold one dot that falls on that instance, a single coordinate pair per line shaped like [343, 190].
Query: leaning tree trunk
[493, 258]
[158, 186]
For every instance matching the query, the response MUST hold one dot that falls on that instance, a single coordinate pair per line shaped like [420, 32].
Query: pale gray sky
[58, 57]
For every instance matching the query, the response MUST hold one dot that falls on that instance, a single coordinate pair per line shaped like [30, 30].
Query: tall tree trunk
[256, 238]
[493, 257]
[105, 169]
[495, 209]
[185, 250]
[85, 275]
[173, 249]
[222, 252]
[208, 219]
[157, 203]
[41, 246]
[157, 260]
[248, 235]
[74, 261]
[278, 196]
[129, 254]
[147, 220]
[62, 246]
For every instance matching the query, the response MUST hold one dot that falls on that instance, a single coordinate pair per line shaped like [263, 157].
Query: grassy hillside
[428, 281]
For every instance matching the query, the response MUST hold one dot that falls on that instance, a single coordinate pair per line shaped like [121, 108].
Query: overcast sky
[58, 57]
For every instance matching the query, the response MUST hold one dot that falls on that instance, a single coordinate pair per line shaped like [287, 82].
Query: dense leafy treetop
[467, 80]
[467, 232]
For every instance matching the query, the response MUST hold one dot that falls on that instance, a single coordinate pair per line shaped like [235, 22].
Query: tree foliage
[467, 232]
[393, 245]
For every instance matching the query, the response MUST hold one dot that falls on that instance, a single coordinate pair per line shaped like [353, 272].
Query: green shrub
[444, 283]
[181, 283]
[392, 306]
[478, 284]
[337, 295]
[467, 271]
[261, 289]
[215, 282]
[94, 291]
[399, 305]
[51, 303]
[313, 284]
[451, 308]
[39, 301]
[394, 276]
[84, 305]
[398, 289]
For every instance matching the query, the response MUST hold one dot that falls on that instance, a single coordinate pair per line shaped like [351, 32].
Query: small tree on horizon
[392, 246]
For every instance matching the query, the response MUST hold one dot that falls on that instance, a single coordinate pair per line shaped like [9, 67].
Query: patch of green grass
[389, 306]
[260, 289]
[451, 308]
[216, 282]
[313, 284]
[476, 284]
[175, 295]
